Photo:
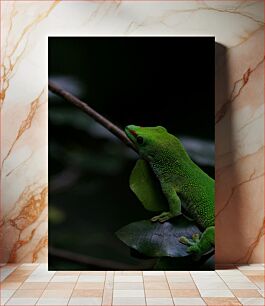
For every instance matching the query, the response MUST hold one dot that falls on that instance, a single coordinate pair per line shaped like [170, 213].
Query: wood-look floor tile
[246, 293]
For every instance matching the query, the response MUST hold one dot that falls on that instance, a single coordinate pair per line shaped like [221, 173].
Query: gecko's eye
[139, 139]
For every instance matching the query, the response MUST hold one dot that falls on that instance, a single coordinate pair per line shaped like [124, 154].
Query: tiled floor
[33, 284]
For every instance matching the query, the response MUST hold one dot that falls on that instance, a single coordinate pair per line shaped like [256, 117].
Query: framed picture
[131, 182]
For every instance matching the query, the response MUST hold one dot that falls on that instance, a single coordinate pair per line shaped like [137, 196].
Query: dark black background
[146, 81]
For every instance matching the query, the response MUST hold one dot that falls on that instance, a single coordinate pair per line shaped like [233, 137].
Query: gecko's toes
[184, 240]
[162, 217]
[187, 241]
[154, 219]
[193, 249]
[196, 237]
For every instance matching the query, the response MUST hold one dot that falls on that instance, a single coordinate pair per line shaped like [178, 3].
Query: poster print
[131, 176]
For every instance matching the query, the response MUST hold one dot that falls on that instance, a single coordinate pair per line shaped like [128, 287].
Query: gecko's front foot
[199, 245]
[192, 243]
[164, 216]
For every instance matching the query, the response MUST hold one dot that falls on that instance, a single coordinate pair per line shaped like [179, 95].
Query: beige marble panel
[25, 26]
[240, 153]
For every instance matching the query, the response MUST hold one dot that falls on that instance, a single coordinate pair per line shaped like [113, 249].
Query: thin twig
[97, 262]
[92, 113]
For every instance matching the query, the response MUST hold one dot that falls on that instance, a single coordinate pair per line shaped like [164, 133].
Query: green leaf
[157, 239]
[146, 187]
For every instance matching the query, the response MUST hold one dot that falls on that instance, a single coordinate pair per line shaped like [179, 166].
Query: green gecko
[180, 178]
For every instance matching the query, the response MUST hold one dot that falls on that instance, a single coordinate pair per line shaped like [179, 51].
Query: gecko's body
[182, 181]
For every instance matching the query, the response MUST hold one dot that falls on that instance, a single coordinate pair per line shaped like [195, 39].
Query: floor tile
[188, 301]
[155, 278]
[123, 301]
[3, 300]
[53, 301]
[203, 273]
[149, 293]
[131, 286]
[33, 286]
[87, 293]
[241, 285]
[109, 280]
[4, 275]
[6, 271]
[108, 284]
[185, 293]
[128, 293]
[252, 301]
[246, 293]
[6, 293]
[218, 301]
[43, 266]
[39, 278]
[261, 292]
[176, 273]
[179, 279]
[56, 294]
[235, 279]
[41, 270]
[67, 273]
[64, 279]
[128, 279]
[22, 272]
[211, 285]
[255, 278]
[229, 272]
[9, 285]
[153, 273]
[88, 285]
[216, 293]
[260, 285]
[97, 273]
[91, 278]
[16, 278]
[22, 301]
[28, 293]
[107, 297]
[60, 286]
[42, 273]
[215, 279]
[159, 301]
[128, 273]
[85, 301]
[182, 286]
[156, 285]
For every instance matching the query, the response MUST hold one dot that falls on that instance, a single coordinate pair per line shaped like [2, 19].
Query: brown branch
[98, 262]
[92, 113]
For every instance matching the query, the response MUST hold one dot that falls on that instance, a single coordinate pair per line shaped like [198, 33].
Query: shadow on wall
[225, 146]
[221, 102]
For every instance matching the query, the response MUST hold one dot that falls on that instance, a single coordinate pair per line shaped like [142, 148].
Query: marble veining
[237, 25]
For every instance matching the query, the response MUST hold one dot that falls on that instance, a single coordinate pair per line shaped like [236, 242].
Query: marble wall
[237, 25]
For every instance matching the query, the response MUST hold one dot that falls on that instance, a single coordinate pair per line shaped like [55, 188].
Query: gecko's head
[148, 140]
